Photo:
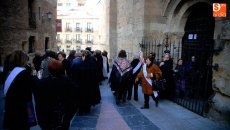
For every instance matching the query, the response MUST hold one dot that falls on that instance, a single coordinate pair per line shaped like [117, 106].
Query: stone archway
[198, 41]
[197, 29]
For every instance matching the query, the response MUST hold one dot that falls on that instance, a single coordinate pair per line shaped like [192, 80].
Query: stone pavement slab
[110, 119]
[128, 116]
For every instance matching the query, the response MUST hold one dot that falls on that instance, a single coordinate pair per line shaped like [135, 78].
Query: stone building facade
[80, 26]
[27, 25]
[128, 22]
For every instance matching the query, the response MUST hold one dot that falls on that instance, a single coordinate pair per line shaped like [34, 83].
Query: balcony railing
[78, 40]
[89, 30]
[68, 41]
[89, 41]
[59, 40]
[68, 29]
[78, 29]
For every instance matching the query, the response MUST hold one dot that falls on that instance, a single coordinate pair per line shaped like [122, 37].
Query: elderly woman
[136, 64]
[148, 73]
[18, 92]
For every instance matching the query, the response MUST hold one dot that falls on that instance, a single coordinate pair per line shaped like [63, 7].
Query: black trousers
[146, 97]
[135, 91]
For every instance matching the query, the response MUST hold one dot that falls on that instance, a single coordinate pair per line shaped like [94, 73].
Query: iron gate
[202, 90]
[197, 41]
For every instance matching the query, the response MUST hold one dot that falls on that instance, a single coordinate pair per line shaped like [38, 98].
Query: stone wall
[220, 103]
[15, 30]
[130, 18]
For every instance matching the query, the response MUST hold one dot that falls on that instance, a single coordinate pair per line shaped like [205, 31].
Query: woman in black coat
[55, 98]
[88, 80]
[19, 93]
[120, 76]
[136, 67]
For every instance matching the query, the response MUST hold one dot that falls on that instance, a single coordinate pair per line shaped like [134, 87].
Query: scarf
[122, 65]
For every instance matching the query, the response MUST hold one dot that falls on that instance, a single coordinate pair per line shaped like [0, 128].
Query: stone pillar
[220, 102]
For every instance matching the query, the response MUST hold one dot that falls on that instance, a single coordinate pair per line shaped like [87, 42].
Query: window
[192, 36]
[59, 4]
[68, 37]
[68, 4]
[31, 48]
[39, 13]
[58, 37]
[46, 43]
[77, 25]
[88, 25]
[78, 29]
[67, 25]
[78, 37]
[24, 44]
[89, 37]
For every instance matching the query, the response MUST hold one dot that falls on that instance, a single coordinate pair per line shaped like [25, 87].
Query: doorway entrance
[197, 44]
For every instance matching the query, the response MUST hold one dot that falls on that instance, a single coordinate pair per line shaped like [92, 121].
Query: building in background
[78, 25]
[27, 25]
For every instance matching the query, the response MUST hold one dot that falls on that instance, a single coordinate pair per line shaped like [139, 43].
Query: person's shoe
[144, 107]
[156, 103]
[117, 102]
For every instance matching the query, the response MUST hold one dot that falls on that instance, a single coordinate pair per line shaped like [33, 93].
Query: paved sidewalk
[109, 118]
[129, 116]
[125, 116]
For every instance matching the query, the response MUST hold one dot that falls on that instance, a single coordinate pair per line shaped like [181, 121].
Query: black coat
[17, 98]
[134, 63]
[55, 98]
[119, 82]
[88, 80]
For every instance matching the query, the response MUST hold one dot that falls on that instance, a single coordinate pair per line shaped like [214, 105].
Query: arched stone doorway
[198, 42]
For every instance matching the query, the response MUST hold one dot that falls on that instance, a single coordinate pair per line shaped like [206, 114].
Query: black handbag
[158, 84]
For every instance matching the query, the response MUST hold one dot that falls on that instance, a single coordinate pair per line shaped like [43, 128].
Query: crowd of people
[51, 88]
[59, 86]
[157, 80]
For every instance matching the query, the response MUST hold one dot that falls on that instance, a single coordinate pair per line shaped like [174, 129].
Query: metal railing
[198, 87]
